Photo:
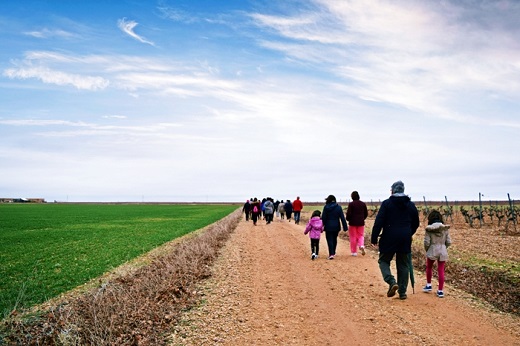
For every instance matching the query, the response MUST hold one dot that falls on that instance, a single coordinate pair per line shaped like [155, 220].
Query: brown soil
[265, 290]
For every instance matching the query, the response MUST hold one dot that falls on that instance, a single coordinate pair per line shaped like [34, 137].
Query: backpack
[255, 209]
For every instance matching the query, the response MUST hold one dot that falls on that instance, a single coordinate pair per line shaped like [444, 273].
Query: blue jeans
[297, 217]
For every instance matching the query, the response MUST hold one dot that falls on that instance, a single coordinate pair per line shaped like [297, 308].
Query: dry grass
[135, 307]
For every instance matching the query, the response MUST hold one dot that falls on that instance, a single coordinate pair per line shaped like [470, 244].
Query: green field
[48, 249]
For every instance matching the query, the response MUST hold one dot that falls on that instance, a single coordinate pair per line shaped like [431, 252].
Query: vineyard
[502, 215]
[484, 255]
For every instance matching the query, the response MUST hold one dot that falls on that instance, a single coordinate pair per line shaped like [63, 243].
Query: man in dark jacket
[288, 210]
[246, 209]
[399, 219]
[332, 218]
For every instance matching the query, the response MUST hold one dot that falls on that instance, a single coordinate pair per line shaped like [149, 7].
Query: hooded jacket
[436, 241]
[331, 216]
[288, 208]
[314, 228]
[269, 207]
[398, 220]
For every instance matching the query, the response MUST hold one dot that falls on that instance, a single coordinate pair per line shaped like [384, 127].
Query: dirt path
[266, 291]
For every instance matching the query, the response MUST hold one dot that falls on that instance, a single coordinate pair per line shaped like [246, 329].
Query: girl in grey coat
[436, 242]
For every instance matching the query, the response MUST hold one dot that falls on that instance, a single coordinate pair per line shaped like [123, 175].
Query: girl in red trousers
[436, 242]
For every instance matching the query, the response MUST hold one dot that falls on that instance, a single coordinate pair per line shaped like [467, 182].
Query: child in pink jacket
[314, 228]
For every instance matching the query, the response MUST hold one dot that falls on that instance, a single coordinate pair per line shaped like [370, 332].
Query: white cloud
[143, 74]
[411, 55]
[159, 81]
[42, 122]
[128, 28]
[90, 128]
[177, 15]
[48, 33]
[115, 116]
[49, 76]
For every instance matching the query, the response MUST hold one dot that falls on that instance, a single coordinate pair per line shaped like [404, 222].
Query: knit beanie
[398, 187]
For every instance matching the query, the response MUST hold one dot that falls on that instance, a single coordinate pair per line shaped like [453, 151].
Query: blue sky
[226, 100]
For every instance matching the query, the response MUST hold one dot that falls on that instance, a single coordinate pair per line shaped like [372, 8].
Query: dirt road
[266, 290]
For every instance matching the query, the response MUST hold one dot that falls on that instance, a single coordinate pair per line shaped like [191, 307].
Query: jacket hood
[401, 200]
[331, 205]
[315, 221]
[437, 227]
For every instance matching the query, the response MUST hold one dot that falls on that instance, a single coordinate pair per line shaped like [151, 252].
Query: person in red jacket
[297, 207]
[357, 212]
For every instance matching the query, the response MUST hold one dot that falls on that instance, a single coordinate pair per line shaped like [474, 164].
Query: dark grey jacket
[398, 219]
[333, 218]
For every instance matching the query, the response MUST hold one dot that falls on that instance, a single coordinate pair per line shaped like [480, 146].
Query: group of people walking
[396, 222]
[332, 220]
[255, 209]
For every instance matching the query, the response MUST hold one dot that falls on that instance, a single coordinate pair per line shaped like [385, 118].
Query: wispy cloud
[115, 116]
[128, 28]
[425, 57]
[42, 122]
[129, 73]
[49, 76]
[49, 33]
[66, 128]
[177, 15]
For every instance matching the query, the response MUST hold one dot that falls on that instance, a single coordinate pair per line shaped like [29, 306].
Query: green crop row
[48, 249]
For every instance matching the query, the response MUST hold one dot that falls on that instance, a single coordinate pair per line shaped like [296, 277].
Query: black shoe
[402, 296]
[391, 291]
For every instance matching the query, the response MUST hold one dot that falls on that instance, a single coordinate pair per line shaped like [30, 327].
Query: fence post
[426, 205]
[512, 210]
[480, 208]
[448, 206]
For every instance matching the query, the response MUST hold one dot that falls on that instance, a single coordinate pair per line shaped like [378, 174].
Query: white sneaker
[313, 256]
[354, 254]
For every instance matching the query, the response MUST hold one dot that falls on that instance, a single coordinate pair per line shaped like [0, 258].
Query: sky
[220, 101]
